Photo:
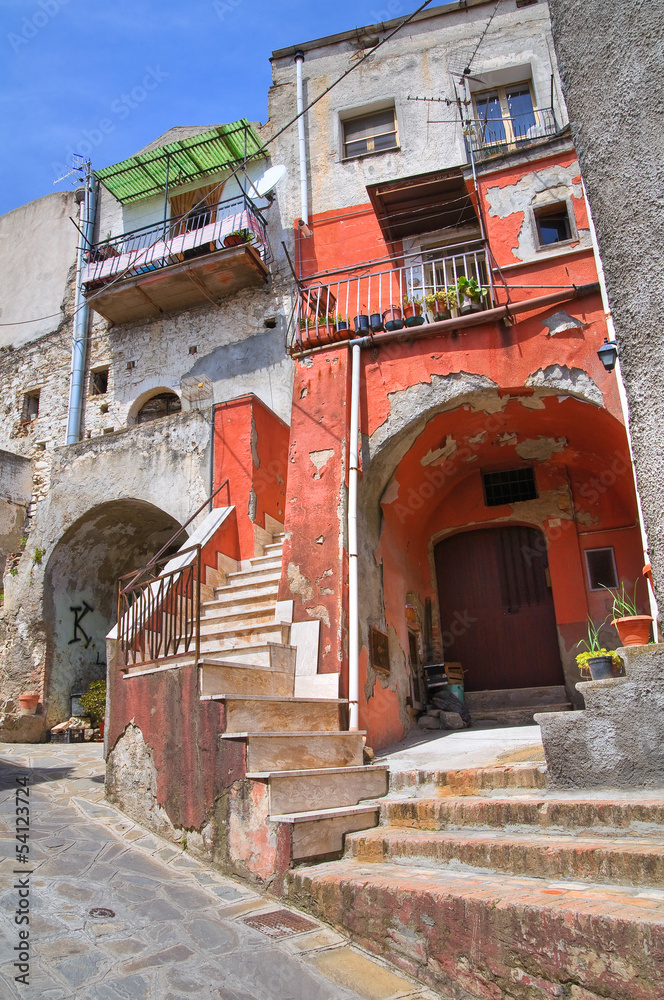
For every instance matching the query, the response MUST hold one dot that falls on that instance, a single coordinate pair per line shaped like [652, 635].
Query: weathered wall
[421, 60]
[612, 61]
[163, 465]
[37, 251]
[15, 494]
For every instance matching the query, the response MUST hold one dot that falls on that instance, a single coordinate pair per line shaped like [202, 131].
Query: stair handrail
[155, 559]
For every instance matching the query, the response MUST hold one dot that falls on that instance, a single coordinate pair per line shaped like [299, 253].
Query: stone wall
[612, 61]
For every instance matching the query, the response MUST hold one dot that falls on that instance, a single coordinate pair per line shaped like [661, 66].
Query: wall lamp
[608, 353]
[304, 230]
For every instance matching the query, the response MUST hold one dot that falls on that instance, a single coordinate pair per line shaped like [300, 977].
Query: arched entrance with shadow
[80, 603]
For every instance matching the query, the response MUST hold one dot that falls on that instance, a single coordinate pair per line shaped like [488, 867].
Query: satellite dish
[265, 185]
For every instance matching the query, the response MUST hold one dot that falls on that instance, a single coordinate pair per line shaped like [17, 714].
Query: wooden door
[496, 608]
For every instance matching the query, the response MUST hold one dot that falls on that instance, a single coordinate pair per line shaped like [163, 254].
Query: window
[505, 114]
[371, 133]
[553, 225]
[512, 486]
[30, 406]
[99, 382]
[161, 405]
[601, 566]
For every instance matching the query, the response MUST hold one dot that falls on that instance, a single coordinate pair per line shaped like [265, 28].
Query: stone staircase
[304, 775]
[516, 706]
[484, 884]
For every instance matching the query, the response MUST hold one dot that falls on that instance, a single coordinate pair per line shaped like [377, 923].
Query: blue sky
[111, 77]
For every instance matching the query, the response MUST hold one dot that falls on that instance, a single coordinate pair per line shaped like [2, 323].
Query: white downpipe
[304, 184]
[624, 405]
[81, 313]
[353, 579]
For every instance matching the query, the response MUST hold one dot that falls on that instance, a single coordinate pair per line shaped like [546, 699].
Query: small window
[373, 133]
[99, 382]
[512, 486]
[601, 566]
[553, 225]
[30, 406]
[161, 405]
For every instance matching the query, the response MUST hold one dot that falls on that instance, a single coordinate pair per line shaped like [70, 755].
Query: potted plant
[440, 304]
[633, 628]
[376, 322]
[393, 318]
[93, 703]
[28, 702]
[361, 323]
[470, 295]
[596, 660]
[412, 311]
[237, 237]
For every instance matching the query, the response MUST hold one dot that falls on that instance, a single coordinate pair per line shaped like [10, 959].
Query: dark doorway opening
[496, 608]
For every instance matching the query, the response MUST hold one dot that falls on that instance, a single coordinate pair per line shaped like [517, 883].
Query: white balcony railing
[423, 291]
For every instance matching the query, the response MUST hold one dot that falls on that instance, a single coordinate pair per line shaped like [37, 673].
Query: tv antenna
[79, 166]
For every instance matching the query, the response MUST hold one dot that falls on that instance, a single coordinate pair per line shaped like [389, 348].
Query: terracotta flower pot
[28, 702]
[635, 630]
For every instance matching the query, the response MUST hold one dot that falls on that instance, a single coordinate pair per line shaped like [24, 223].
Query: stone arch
[80, 595]
[156, 392]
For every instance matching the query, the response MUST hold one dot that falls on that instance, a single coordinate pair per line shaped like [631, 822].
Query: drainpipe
[353, 579]
[86, 199]
[304, 195]
[624, 405]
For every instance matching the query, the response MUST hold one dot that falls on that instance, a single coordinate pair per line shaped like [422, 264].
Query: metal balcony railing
[201, 231]
[499, 135]
[391, 298]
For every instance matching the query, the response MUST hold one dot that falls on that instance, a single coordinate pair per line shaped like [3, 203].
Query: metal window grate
[512, 486]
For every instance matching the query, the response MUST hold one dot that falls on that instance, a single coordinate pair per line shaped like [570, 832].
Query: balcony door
[505, 115]
[496, 608]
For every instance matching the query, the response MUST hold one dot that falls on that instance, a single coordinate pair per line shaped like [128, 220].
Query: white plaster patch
[507, 438]
[477, 438]
[572, 382]
[319, 612]
[438, 456]
[391, 492]
[561, 321]
[298, 583]
[540, 449]
[319, 459]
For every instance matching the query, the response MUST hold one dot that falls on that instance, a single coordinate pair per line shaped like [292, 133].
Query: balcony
[213, 251]
[432, 287]
[491, 136]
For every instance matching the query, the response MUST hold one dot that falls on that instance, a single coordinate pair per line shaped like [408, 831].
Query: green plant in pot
[93, 703]
[439, 305]
[633, 628]
[237, 237]
[412, 311]
[596, 661]
[470, 295]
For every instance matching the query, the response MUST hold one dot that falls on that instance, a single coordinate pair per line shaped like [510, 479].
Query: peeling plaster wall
[621, 150]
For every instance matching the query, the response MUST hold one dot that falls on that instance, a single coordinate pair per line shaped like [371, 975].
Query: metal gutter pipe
[353, 578]
[304, 188]
[624, 405]
[86, 198]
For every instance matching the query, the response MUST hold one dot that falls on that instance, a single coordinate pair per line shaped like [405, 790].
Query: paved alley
[115, 913]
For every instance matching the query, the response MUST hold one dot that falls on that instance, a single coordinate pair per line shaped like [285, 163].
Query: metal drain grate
[280, 923]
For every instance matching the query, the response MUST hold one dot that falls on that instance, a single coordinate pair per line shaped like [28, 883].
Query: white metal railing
[422, 291]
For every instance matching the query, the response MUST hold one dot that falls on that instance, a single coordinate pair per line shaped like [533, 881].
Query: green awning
[184, 161]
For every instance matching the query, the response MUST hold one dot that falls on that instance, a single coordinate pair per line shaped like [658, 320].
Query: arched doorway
[80, 604]
[496, 608]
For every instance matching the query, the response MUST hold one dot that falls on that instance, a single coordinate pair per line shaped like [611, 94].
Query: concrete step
[265, 589]
[274, 549]
[218, 678]
[245, 577]
[244, 614]
[512, 778]
[296, 751]
[516, 698]
[320, 833]
[627, 816]
[264, 713]
[625, 861]
[470, 934]
[522, 715]
[270, 560]
[269, 655]
[243, 635]
[315, 788]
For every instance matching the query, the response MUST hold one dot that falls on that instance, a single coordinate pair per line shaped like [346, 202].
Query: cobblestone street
[118, 914]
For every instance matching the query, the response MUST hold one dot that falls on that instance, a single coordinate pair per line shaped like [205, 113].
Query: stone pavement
[116, 913]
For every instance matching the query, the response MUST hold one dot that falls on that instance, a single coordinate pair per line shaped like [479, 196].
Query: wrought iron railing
[201, 231]
[158, 613]
[499, 135]
[390, 298]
